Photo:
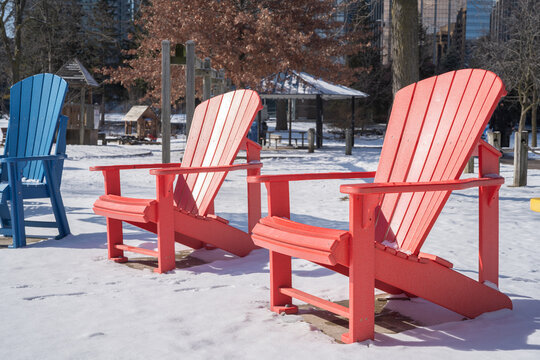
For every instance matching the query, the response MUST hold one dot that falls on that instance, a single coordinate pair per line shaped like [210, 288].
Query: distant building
[124, 13]
[450, 24]
[501, 10]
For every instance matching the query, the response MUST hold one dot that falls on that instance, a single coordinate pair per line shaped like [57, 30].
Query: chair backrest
[35, 105]
[218, 128]
[432, 132]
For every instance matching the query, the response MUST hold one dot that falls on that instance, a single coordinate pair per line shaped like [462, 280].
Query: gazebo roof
[76, 74]
[301, 85]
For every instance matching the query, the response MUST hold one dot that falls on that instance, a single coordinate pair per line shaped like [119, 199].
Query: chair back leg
[57, 204]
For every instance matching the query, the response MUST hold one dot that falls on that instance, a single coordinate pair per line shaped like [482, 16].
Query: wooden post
[83, 113]
[521, 150]
[494, 139]
[190, 83]
[318, 125]
[207, 79]
[469, 168]
[348, 142]
[166, 101]
[311, 140]
[102, 109]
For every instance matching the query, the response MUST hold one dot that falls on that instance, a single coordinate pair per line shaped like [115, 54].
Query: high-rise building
[501, 11]
[449, 24]
[124, 13]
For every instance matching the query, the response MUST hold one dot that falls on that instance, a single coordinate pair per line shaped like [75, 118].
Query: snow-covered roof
[76, 74]
[293, 84]
[137, 111]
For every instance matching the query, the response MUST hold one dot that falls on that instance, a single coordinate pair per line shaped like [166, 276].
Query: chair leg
[165, 223]
[5, 215]
[166, 255]
[361, 269]
[280, 277]
[56, 202]
[115, 237]
[17, 210]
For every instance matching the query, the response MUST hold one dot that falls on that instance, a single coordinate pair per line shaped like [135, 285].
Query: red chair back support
[218, 128]
[455, 109]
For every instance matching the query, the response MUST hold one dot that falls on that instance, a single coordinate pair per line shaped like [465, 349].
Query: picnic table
[276, 137]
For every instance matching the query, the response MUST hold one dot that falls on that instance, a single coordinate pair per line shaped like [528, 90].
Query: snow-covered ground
[62, 299]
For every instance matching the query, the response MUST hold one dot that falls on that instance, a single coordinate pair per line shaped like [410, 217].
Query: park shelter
[292, 85]
[82, 124]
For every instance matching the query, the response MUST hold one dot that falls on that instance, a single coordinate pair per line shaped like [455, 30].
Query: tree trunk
[404, 43]
[281, 115]
[523, 117]
[533, 120]
[17, 39]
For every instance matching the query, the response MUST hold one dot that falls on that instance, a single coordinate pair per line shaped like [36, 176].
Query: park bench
[275, 137]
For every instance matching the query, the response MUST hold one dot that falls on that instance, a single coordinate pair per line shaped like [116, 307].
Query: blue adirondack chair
[28, 169]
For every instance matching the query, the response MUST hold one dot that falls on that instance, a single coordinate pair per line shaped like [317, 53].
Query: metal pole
[166, 101]
[190, 83]
[352, 120]
[319, 121]
[448, 33]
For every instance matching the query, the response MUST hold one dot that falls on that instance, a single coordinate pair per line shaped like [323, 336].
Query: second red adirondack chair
[185, 213]
[434, 128]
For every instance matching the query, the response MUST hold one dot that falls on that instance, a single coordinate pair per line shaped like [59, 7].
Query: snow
[302, 83]
[62, 299]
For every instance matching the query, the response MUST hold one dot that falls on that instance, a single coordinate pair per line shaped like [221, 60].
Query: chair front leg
[17, 210]
[280, 264]
[115, 234]
[165, 223]
[361, 268]
[488, 198]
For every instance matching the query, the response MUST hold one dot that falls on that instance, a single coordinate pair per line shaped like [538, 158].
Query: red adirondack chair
[434, 128]
[186, 215]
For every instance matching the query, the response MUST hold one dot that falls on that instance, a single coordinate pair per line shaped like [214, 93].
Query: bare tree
[11, 23]
[513, 55]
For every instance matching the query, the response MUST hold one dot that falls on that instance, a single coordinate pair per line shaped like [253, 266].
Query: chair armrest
[310, 176]
[384, 188]
[133, 166]
[32, 158]
[206, 169]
